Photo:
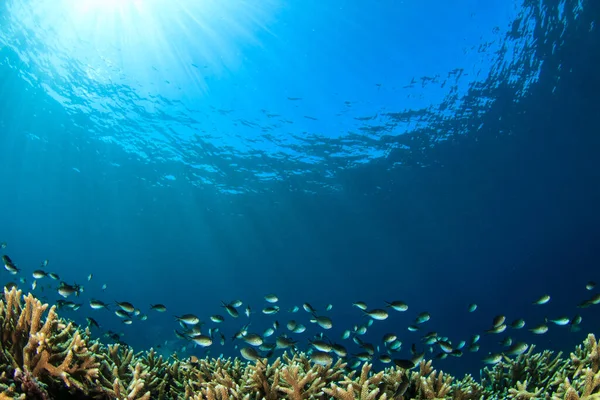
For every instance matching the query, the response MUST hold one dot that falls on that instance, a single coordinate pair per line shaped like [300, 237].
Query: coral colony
[46, 357]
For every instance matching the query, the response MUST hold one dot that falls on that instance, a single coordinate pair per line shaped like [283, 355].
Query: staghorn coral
[365, 387]
[585, 386]
[44, 358]
[586, 356]
[52, 348]
[30, 386]
[544, 371]
[297, 384]
[426, 383]
[521, 392]
[467, 389]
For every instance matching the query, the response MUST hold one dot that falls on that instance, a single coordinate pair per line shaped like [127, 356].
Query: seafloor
[46, 357]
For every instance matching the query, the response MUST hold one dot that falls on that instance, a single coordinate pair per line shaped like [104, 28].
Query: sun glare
[105, 5]
[147, 41]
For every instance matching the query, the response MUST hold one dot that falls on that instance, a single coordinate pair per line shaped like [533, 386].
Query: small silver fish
[397, 305]
[299, 328]
[39, 274]
[497, 329]
[498, 320]
[217, 318]
[291, 325]
[231, 310]
[202, 340]
[253, 339]
[323, 322]
[249, 353]
[540, 329]
[66, 290]
[271, 298]
[493, 359]
[518, 324]
[321, 358]
[395, 345]
[562, 321]
[339, 350]
[385, 359]
[188, 319]
[97, 304]
[389, 337]
[126, 306]
[268, 332]
[92, 322]
[542, 300]
[283, 342]
[377, 314]
[321, 345]
[308, 308]
[445, 346]
[517, 349]
[9, 265]
[423, 317]
[270, 310]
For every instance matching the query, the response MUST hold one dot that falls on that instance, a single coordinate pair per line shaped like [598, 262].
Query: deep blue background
[179, 171]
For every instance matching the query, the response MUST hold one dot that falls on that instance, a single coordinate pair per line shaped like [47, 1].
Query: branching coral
[365, 387]
[584, 387]
[544, 371]
[521, 392]
[43, 358]
[467, 389]
[586, 356]
[52, 348]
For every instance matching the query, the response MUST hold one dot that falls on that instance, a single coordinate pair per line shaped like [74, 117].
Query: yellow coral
[521, 393]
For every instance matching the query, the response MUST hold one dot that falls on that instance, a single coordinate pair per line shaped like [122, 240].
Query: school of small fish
[322, 347]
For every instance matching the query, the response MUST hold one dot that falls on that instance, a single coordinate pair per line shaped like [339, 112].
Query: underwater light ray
[137, 39]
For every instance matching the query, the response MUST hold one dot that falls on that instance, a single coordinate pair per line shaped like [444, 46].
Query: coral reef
[44, 357]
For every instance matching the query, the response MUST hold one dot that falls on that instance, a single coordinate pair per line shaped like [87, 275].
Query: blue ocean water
[194, 153]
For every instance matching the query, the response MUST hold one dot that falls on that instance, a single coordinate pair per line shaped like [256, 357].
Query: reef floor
[43, 356]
